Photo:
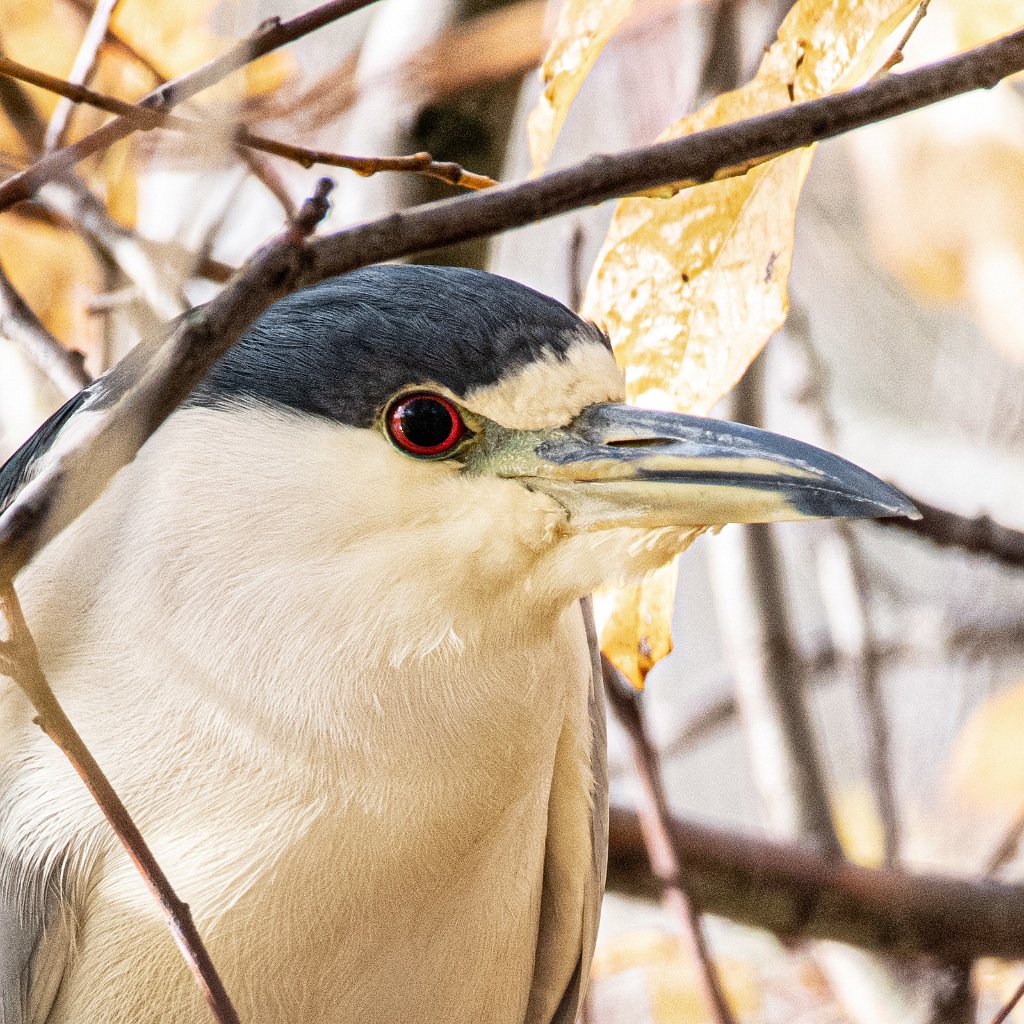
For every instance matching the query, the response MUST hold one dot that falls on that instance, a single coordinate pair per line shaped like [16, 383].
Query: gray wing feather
[18, 941]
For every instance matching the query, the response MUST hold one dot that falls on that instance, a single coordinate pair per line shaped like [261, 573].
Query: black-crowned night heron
[324, 634]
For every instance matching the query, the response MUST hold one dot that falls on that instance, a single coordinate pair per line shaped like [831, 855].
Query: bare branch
[981, 535]
[1010, 1004]
[794, 892]
[654, 816]
[19, 659]
[270, 35]
[896, 57]
[146, 119]
[115, 39]
[18, 322]
[46, 506]
[704, 156]
[82, 70]
[61, 492]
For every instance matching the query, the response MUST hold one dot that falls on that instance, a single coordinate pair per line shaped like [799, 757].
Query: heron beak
[620, 466]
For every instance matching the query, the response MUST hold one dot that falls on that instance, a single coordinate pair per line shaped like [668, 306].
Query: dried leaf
[691, 287]
[583, 29]
[634, 623]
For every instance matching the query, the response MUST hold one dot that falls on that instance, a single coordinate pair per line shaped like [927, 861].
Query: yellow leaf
[583, 29]
[56, 273]
[669, 978]
[174, 37]
[41, 34]
[859, 827]
[634, 623]
[119, 173]
[691, 287]
[986, 768]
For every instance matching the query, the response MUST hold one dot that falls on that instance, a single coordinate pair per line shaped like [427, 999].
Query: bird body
[325, 636]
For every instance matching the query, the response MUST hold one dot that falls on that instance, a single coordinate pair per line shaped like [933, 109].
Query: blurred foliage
[970, 250]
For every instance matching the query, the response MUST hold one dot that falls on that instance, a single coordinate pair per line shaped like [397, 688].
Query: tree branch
[267, 37]
[722, 152]
[64, 368]
[793, 892]
[981, 535]
[47, 504]
[146, 119]
[19, 659]
[114, 38]
[661, 855]
[82, 70]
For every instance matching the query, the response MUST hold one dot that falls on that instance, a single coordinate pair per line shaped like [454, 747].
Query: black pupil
[425, 422]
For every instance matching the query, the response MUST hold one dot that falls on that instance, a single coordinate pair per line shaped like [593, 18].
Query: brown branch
[792, 891]
[117, 40]
[47, 505]
[268, 36]
[275, 267]
[704, 156]
[654, 816]
[896, 57]
[19, 323]
[981, 535]
[1009, 1005]
[19, 659]
[82, 71]
[70, 484]
[845, 589]
[145, 119]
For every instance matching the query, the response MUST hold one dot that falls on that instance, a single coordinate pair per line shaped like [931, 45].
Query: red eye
[424, 424]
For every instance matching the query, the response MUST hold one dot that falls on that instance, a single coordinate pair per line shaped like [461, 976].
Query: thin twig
[1007, 847]
[896, 57]
[47, 505]
[19, 659]
[757, 633]
[794, 892]
[19, 323]
[845, 589]
[654, 816]
[275, 266]
[719, 712]
[693, 159]
[145, 119]
[980, 535]
[267, 175]
[82, 71]
[1010, 1004]
[116, 39]
[80, 208]
[268, 36]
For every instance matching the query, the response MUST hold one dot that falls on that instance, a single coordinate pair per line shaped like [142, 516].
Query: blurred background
[855, 688]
